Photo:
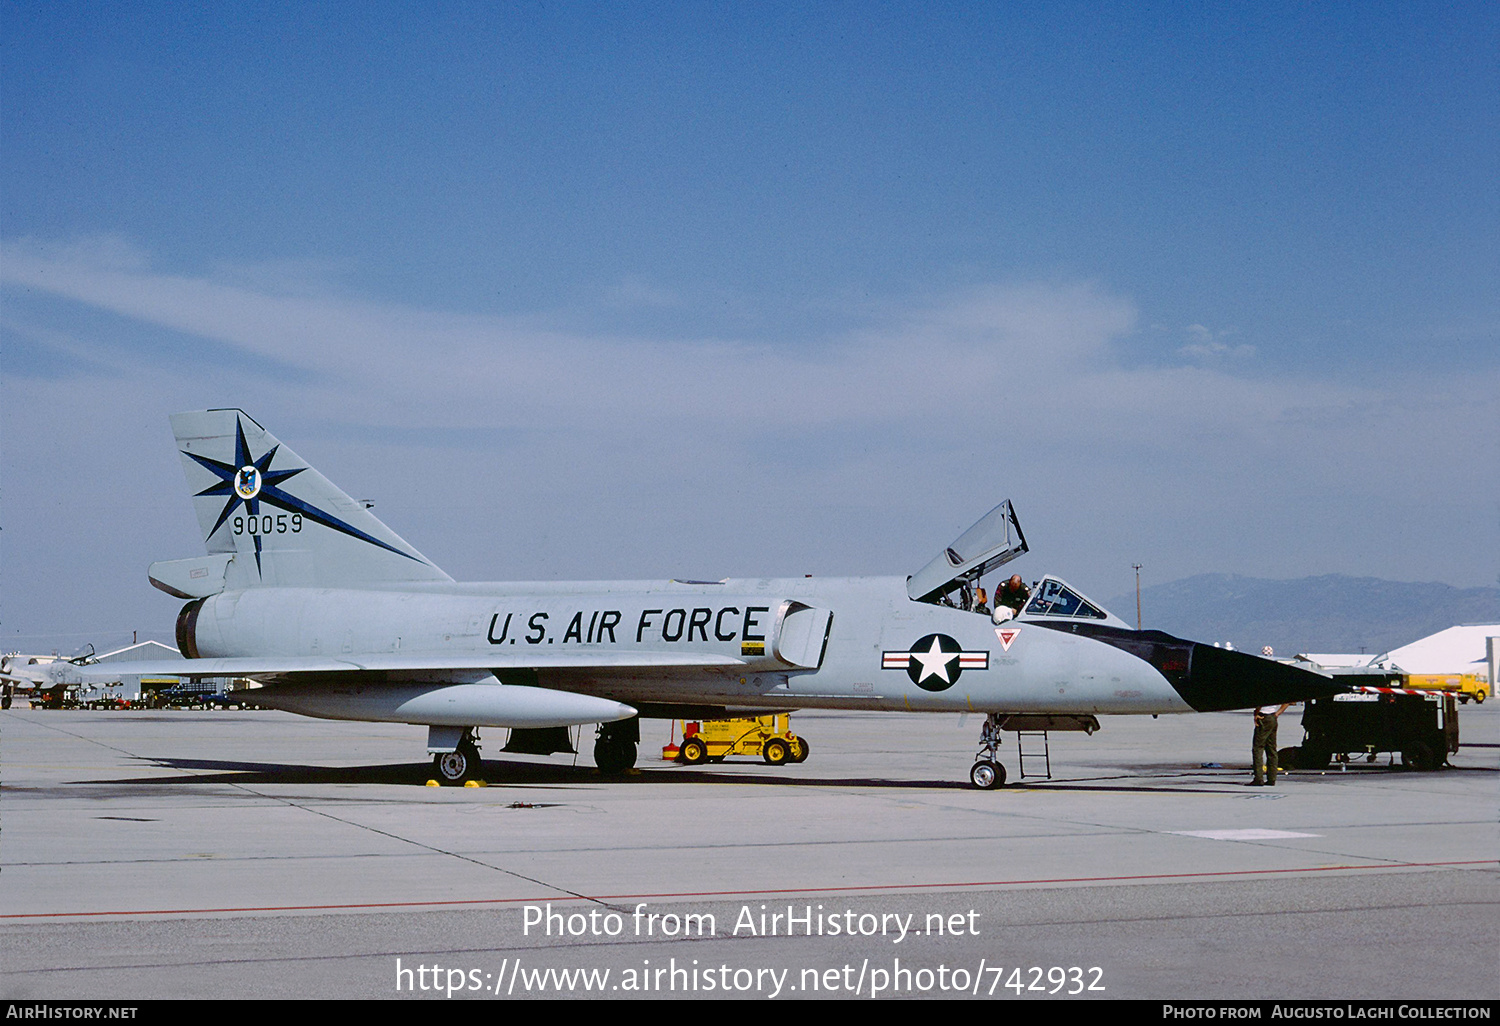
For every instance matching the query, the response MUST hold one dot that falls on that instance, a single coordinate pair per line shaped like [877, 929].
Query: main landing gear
[987, 773]
[460, 764]
[614, 749]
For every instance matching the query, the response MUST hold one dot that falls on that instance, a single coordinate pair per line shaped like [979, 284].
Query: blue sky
[579, 290]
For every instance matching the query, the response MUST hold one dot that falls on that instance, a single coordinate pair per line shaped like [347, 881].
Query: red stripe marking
[719, 894]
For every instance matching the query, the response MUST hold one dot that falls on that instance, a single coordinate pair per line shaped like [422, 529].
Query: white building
[1470, 648]
[129, 685]
[1466, 649]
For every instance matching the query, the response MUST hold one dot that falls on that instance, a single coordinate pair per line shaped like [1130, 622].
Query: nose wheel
[987, 773]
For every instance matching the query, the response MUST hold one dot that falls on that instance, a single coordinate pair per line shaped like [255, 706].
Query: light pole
[1137, 595]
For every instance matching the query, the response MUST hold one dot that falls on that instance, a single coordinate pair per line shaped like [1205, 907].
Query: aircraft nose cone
[1221, 678]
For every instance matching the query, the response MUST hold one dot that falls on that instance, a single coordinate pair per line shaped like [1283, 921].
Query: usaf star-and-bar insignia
[935, 662]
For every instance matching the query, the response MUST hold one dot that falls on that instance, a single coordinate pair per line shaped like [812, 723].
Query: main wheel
[614, 756]
[987, 775]
[776, 751]
[1287, 758]
[453, 767]
[693, 752]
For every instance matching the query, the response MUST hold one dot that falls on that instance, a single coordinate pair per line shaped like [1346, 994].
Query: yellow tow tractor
[769, 737]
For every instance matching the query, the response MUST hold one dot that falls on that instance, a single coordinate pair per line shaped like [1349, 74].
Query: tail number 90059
[268, 524]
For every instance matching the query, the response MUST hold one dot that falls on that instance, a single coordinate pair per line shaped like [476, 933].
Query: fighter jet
[306, 591]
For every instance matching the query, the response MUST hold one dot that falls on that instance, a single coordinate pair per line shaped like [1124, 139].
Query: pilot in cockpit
[1011, 599]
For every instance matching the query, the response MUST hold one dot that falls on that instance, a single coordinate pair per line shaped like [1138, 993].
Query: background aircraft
[305, 590]
[25, 677]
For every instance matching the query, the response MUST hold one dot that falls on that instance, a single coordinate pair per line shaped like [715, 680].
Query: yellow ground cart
[769, 737]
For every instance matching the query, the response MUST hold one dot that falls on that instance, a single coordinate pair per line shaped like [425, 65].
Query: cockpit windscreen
[1053, 598]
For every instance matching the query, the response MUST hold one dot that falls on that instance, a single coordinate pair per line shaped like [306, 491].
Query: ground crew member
[1263, 745]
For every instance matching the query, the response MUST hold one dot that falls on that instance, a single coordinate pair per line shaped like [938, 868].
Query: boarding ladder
[1033, 744]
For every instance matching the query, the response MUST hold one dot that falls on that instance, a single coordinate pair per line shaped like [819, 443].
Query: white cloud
[453, 365]
[577, 454]
[1015, 344]
[1207, 344]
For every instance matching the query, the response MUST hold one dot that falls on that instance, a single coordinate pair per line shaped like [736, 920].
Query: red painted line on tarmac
[723, 894]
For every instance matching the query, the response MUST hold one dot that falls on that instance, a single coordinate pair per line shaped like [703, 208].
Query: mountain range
[1332, 613]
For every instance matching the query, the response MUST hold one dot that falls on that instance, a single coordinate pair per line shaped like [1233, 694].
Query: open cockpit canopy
[991, 543]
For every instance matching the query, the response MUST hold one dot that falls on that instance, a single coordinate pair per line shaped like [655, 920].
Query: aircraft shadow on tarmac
[505, 773]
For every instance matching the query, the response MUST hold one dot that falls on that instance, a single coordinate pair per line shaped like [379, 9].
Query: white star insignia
[935, 662]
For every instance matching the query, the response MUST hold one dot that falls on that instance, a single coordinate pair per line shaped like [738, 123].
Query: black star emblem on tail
[247, 483]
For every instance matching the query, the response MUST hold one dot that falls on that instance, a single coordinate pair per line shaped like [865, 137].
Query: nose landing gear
[987, 773]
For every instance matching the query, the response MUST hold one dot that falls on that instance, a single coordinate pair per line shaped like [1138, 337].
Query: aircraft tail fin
[270, 519]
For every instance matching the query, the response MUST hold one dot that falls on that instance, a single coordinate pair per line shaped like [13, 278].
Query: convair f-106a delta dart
[304, 590]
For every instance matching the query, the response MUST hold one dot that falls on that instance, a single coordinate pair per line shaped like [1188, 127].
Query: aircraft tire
[454, 767]
[987, 775]
[693, 752]
[1287, 758]
[776, 752]
[614, 756]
